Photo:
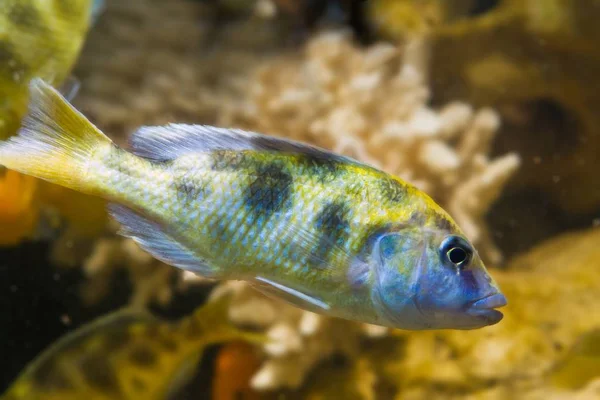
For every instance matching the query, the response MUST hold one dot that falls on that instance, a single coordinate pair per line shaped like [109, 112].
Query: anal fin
[153, 238]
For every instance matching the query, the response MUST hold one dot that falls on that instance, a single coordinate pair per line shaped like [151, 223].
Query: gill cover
[395, 256]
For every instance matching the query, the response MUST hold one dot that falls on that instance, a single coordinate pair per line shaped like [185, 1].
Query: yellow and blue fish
[320, 230]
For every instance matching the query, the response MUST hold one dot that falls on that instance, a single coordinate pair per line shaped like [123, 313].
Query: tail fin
[55, 143]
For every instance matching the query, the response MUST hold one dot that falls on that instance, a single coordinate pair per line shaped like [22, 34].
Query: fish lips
[485, 308]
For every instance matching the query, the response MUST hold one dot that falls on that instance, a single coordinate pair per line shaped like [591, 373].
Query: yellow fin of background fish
[55, 143]
[37, 38]
[129, 354]
[40, 38]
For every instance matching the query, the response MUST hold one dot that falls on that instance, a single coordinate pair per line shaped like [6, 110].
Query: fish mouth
[485, 308]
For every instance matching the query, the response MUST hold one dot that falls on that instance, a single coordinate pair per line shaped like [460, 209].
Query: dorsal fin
[163, 143]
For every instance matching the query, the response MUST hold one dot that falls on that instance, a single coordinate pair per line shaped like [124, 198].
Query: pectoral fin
[290, 295]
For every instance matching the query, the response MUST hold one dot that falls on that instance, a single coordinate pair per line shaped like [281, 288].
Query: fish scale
[319, 230]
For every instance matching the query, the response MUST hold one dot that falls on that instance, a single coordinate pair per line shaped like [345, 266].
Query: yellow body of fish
[125, 356]
[322, 231]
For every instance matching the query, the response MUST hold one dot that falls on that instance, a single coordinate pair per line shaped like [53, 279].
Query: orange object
[236, 363]
[18, 206]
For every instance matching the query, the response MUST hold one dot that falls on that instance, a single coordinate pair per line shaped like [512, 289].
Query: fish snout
[485, 308]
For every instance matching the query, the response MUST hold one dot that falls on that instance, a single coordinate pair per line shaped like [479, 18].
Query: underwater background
[489, 106]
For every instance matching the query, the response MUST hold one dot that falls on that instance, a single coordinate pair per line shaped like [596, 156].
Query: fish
[39, 38]
[319, 230]
[127, 354]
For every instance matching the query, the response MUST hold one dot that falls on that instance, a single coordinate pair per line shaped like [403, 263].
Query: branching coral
[150, 277]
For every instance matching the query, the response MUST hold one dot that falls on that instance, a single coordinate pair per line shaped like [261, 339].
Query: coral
[150, 278]
[372, 104]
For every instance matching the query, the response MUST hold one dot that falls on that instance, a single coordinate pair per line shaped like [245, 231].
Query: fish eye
[456, 251]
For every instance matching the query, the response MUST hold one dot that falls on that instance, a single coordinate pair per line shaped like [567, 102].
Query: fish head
[428, 279]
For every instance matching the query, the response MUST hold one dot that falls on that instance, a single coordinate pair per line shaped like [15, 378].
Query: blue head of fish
[433, 280]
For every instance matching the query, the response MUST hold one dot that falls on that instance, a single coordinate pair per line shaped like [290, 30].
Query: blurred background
[490, 106]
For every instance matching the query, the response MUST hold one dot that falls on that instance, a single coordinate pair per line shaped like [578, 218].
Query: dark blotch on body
[189, 190]
[393, 191]
[334, 226]
[142, 356]
[270, 191]
[326, 169]
[98, 373]
[318, 162]
[226, 160]
[26, 16]
[417, 218]
[443, 223]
